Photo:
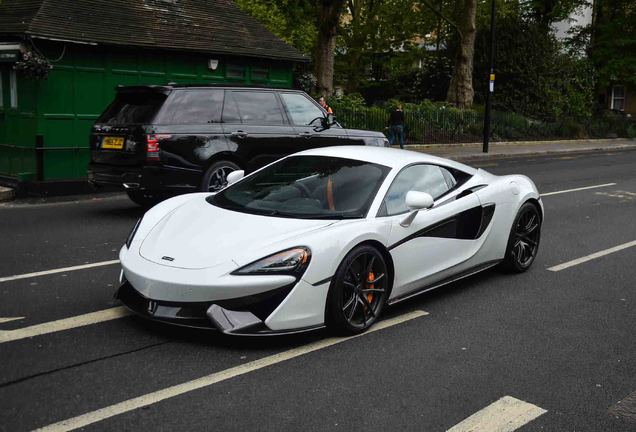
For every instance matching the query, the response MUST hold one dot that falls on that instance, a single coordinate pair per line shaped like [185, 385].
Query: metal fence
[444, 125]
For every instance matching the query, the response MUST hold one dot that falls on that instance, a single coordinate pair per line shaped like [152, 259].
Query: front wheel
[523, 243]
[215, 178]
[358, 291]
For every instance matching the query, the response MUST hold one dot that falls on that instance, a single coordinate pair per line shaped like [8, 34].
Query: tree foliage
[613, 45]
[534, 75]
[294, 21]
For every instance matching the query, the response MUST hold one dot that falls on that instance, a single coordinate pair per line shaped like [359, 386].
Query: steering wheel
[303, 189]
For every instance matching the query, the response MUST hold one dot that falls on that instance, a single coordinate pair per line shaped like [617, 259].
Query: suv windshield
[132, 108]
[308, 187]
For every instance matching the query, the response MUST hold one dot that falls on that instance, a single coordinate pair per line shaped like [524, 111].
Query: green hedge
[429, 123]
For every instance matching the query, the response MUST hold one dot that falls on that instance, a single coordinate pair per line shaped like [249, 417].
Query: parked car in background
[160, 141]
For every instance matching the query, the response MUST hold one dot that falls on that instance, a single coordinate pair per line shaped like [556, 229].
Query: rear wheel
[523, 243]
[215, 178]
[358, 291]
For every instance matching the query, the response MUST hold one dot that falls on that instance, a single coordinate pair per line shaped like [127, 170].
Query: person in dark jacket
[396, 126]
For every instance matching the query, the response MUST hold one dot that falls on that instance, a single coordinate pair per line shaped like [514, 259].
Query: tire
[142, 198]
[214, 178]
[358, 291]
[523, 241]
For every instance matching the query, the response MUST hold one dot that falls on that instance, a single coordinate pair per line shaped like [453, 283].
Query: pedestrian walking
[396, 126]
[323, 103]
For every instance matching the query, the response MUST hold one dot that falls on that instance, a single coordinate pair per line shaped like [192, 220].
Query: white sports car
[325, 237]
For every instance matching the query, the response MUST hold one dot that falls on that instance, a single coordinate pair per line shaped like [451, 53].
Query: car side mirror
[235, 176]
[328, 121]
[416, 201]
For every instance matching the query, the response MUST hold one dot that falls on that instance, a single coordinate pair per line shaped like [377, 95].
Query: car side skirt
[468, 272]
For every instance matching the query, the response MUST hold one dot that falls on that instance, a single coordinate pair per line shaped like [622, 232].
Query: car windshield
[307, 187]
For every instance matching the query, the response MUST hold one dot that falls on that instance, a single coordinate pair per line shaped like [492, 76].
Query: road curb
[6, 194]
[525, 154]
[495, 144]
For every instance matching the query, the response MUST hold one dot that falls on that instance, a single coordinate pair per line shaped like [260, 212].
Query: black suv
[158, 141]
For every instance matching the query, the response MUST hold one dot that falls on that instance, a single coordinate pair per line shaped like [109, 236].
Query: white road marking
[58, 270]
[590, 257]
[505, 415]
[9, 319]
[577, 189]
[179, 389]
[63, 324]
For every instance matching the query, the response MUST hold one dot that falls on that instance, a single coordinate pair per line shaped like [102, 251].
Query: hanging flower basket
[33, 66]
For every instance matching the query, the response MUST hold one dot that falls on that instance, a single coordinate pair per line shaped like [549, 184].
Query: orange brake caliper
[371, 278]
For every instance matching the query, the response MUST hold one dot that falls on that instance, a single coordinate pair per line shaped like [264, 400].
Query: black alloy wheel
[358, 291]
[215, 178]
[523, 243]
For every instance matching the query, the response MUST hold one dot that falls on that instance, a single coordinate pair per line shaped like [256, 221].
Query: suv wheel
[215, 178]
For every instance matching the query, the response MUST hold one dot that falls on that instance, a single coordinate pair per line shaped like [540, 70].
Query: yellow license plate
[113, 143]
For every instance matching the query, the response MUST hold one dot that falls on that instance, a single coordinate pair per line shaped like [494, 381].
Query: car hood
[364, 133]
[200, 235]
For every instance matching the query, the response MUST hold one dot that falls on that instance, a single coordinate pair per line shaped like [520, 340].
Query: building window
[13, 89]
[618, 98]
[260, 74]
[235, 71]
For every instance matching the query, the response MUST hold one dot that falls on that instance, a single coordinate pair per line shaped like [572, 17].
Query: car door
[189, 130]
[437, 239]
[306, 117]
[255, 127]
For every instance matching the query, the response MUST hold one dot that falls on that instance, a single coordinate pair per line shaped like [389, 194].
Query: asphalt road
[562, 341]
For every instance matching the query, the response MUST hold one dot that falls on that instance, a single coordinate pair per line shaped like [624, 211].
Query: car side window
[301, 110]
[258, 108]
[421, 178]
[192, 107]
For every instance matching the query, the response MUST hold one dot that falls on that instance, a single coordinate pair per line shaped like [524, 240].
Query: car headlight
[132, 233]
[292, 261]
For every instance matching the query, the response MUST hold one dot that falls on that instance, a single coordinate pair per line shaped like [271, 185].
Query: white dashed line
[9, 319]
[176, 390]
[63, 324]
[58, 270]
[505, 415]
[577, 189]
[590, 257]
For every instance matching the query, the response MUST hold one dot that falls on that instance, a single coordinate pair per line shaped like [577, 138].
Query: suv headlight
[292, 262]
[132, 233]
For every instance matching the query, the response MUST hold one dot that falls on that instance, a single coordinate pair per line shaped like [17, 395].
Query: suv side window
[257, 108]
[192, 107]
[301, 110]
[422, 178]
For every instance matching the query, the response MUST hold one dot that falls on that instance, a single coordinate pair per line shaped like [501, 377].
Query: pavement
[498, 150]
[554, 348]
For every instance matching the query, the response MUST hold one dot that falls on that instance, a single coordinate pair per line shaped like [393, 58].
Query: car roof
[174, 86]
[391, 157]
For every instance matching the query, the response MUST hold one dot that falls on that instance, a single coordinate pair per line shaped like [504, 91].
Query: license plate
[113, 143]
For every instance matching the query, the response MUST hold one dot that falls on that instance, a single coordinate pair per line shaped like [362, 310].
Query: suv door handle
[239, 134]
[305, 134]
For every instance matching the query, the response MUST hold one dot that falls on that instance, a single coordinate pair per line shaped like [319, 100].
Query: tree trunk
[328, 12]
[460, 91]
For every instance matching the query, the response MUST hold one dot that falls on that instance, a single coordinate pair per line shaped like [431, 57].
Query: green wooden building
[96, 45]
